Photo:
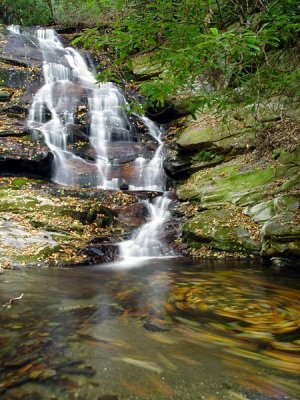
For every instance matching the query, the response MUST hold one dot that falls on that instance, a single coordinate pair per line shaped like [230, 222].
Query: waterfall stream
[70, 85]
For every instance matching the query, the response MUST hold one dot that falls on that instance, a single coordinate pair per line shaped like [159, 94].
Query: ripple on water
[165, 330]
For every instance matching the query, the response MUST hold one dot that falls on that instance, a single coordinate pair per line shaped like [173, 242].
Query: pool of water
[166, 329]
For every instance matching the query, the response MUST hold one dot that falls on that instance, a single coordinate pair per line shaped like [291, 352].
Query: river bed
[163, 329]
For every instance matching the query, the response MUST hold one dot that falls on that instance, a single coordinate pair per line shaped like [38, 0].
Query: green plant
[226, 42]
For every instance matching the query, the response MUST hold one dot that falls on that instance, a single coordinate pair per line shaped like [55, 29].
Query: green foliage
[85, 12]
[228, 42]
[210, 48]
[25, 12]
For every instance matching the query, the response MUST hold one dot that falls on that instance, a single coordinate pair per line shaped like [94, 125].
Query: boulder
[222, 230]
[266, 192]
[210, 132]
[144, 67]
[133, 215]
[263, 212]
[281, 235]
[46, 224]
[22, 157]
[243, 181]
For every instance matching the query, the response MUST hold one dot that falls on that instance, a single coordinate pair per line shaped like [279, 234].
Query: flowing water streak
[152, 175]
[62, 68]
[67, 81]
[146, 242]
[109, 123]
[65, 73]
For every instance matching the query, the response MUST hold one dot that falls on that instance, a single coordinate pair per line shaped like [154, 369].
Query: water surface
[170, 329]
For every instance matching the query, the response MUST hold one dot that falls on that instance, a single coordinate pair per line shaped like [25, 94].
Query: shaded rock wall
[20, 78]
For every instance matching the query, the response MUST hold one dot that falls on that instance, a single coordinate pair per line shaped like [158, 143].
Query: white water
[152, 175]
[68, 79]
[146, 242]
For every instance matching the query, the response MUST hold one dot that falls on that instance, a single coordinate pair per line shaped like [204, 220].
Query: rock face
[20, 78]
[22, 151]
[240, 204]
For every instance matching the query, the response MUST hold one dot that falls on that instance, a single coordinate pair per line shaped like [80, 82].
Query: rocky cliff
[237, 172]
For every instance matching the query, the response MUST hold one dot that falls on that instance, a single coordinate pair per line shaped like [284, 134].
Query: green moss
[144, 66]
[219, 230]
[228, 183]
[18, 183]
[206, 156]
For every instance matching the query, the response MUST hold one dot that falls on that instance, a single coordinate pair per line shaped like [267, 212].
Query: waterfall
[152, 176]
[146, 242]
[70, 84]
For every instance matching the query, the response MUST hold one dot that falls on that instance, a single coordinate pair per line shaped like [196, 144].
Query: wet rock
[280, 262]
[5, 95]
[100, 253]
[133, 215]
[155, 326]
[124, 186]
[22, 157]
[76, 134]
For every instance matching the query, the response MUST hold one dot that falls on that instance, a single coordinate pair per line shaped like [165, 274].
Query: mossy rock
[264, 211]
[210, 132]
[281, 235]
[45, 225]
[5, 95]
[290, 158]
[223, 229]
[144, 67]
[183, 165]
[240, 181]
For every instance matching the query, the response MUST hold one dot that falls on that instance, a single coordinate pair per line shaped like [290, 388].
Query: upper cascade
[113, 155]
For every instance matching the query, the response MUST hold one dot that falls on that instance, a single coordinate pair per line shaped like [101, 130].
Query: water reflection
[165, 330]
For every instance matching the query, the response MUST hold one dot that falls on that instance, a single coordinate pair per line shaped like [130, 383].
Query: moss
[18, 183]
[228, 183]
[47, 251]
[206, 155]
[144, 66]
[225, 230]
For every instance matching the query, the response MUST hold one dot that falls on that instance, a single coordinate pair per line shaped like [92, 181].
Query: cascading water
[152, 176]
[146, 242]
[68, 83]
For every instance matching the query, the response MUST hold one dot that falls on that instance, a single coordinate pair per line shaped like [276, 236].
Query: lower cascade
[146, 242]
[70, 87]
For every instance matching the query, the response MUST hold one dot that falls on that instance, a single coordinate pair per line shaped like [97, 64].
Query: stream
[170, 329]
